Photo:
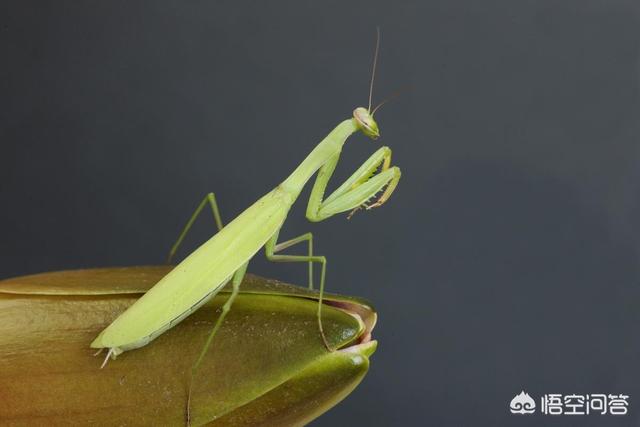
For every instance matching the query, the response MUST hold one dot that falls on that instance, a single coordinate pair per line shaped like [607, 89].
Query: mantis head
[365, 122]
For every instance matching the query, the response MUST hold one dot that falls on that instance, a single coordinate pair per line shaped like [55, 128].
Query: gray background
[508, 257]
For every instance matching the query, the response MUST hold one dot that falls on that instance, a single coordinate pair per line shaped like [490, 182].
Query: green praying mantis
[225, 256]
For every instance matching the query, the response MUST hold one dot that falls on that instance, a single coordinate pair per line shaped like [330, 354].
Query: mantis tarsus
[226, 255]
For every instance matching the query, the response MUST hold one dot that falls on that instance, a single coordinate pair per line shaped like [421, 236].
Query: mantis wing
[199, 277]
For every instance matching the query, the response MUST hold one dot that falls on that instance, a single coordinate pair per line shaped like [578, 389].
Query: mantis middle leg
[307, 237]
[211, 200]
[271, 247]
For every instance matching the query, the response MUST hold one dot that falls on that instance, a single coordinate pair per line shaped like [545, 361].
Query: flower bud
[267, 364]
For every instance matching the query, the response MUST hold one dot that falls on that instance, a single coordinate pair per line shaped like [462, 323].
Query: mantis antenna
[373, 70]
[390, 97]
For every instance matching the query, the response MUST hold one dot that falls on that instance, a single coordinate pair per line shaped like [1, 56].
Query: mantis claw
[353, 212]
[381, 200]
[377, 204]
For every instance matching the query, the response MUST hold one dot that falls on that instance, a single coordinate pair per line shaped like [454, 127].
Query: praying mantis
[226, 255]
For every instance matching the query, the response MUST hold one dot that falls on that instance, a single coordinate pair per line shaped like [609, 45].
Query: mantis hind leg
[272, 247]
[235, 282]
[211, 200]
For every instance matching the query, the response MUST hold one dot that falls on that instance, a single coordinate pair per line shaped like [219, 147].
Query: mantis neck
[324, 151]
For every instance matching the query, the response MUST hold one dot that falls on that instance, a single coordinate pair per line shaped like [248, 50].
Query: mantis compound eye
[365, 122]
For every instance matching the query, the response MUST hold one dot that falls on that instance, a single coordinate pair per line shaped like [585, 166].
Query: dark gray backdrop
[506, 260]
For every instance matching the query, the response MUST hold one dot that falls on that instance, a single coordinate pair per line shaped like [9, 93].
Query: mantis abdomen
[199, 277]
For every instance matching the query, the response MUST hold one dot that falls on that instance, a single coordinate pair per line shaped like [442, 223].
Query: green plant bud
[267, 365]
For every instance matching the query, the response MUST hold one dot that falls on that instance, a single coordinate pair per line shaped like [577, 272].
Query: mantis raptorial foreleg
[356, 191]
[211, 200]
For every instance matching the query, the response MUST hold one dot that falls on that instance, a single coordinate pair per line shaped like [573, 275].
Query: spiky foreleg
[357, 190]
